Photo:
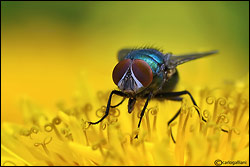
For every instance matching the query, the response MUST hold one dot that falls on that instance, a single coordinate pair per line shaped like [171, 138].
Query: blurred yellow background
[48, 48]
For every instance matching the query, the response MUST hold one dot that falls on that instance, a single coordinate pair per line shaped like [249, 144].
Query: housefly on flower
[148, 73]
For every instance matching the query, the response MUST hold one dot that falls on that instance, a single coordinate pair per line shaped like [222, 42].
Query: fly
[148, 73]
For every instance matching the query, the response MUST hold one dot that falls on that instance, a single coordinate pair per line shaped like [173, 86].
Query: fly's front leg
[143, 111]
[118, 103]
[116, 92]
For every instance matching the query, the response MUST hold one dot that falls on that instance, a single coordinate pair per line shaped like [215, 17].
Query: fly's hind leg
[174, 96]
[169, 95]
[175, 116]
[169, 122]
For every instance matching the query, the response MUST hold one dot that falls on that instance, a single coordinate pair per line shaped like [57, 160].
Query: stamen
[154, 112]
[115, 112]
[222, 118]
[43, 144]
[236, 131]
[52, 126]
[244, 109]
[126, 140]
[220, 101]
[101, 111]
[101, 97]
[61, 157]
[210, 100]
[27, 133]
[148, 122]
[236, 110]
[180, 139]
[67, 134]
[85, 125]
[86, 109]
[103, 126]
[100, 145]
[206, 115]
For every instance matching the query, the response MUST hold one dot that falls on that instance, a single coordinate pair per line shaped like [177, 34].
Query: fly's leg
[116, 92]
[175, 116]
[143, 111]
[176, 94]
[179, 99]
[169, 122]
[118, 103]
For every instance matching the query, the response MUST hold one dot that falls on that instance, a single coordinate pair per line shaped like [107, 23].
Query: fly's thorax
[152, 57]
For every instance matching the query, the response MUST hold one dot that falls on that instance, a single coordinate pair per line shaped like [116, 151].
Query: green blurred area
[170, 25]
[46, 45]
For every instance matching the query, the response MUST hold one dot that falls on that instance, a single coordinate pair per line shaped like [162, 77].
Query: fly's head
[132, 76]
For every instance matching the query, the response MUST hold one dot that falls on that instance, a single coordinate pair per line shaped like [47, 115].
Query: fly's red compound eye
[142, 72]
[120, 69]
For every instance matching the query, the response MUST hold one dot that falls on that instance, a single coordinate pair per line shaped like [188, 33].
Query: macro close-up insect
[114, 83]
[148, 73]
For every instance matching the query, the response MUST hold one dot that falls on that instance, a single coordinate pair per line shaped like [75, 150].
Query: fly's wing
[122, 53]
[177, 60]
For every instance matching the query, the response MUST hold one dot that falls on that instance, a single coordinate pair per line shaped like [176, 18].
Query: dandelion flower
[66, 138]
